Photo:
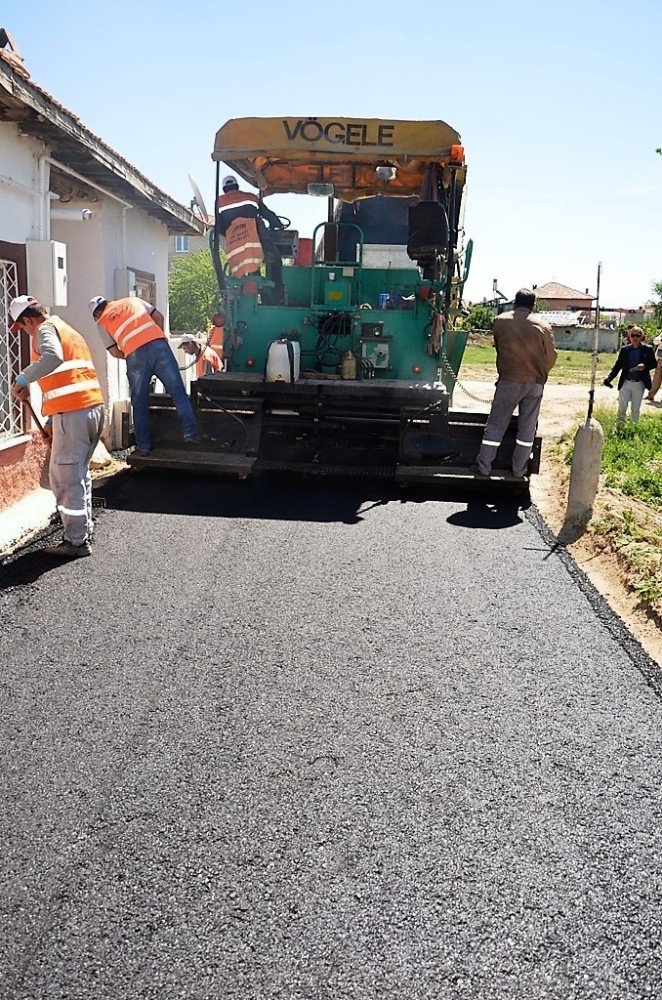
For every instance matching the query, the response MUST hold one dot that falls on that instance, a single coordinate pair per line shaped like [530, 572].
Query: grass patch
[631, 457]
[572, 367]
[639, 543]
[631, 465]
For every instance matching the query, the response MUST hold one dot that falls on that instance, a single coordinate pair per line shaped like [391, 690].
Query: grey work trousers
[75, 436]
[632, 393]
[509, 395]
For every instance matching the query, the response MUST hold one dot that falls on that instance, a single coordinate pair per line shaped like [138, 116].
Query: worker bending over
[207, 360]
[133, 329]
[73, 404]
[525, 355]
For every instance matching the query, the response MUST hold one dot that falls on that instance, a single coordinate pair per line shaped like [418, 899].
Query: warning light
[457, 155]
[417, 369]
[250, 362]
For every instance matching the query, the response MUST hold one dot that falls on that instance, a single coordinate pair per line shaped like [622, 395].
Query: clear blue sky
[558, 106]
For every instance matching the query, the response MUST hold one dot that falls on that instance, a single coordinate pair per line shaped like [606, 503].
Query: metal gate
[11, 412]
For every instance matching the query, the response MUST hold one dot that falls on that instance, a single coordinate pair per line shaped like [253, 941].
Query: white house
[76, 220]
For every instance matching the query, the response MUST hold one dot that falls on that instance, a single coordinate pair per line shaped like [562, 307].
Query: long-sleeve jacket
[525, 347]
[623, 364]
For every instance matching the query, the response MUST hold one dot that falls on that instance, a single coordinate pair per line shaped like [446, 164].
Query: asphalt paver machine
[344, 360]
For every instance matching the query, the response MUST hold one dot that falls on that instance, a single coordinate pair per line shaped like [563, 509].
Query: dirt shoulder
[609, 570]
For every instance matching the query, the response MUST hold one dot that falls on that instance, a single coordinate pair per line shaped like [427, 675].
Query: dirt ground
[563, 407]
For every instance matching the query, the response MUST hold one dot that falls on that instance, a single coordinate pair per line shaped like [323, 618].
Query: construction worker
[239, 218]
[133, 329]
[207, 361]
[72, 402]
[216, 334]
[525, 355]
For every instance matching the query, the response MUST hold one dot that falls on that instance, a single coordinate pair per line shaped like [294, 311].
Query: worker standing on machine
[525, 355]
[133, 330]
[240, 219]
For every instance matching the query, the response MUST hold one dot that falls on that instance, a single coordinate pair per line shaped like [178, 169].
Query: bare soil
[564, 407]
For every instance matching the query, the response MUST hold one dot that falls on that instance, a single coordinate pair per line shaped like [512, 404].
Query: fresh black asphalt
[303, 740]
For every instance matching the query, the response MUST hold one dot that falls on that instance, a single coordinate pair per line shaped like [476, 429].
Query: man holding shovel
[73, 404]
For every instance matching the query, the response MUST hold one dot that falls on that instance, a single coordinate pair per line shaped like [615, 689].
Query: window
[182, 244]
[11, 412]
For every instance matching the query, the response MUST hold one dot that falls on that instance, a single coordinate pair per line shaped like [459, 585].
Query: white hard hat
[18, 306]
[230, 181]
[96, 301]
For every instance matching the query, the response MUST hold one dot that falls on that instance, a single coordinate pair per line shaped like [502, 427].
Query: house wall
[561, 304]
[114, 239]
[580, 338]
[20, 199]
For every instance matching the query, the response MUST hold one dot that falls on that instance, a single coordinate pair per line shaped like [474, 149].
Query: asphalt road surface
[282, 740]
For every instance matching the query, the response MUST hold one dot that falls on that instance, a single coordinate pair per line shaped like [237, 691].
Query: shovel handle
[37, 421]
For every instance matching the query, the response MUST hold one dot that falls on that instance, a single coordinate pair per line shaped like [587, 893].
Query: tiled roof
[555, 290]
[37, 113]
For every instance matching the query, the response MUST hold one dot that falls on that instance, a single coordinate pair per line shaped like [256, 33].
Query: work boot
[66, 550]
[193, 440]
[478, 472]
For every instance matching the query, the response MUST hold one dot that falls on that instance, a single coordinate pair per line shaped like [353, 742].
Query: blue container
[384, 300]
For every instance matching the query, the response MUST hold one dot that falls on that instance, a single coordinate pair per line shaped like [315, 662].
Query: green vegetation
[639, 542]
[632, 465]
[572, 367]
[192, 292]
[479, 317]
[632, 456]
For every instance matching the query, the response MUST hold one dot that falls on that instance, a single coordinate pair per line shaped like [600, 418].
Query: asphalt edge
[645, 664]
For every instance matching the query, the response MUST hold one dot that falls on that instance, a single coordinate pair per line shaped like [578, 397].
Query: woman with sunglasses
[635, 362]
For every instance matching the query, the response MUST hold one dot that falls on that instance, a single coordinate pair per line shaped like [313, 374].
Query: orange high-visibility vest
[130, 325]
[237, 215]
[207, 363]
[215, 337]
[74, 384]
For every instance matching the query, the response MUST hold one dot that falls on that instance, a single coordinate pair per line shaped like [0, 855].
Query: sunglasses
[635, 336]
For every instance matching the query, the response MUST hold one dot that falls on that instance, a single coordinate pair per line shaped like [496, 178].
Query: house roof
[555, 290]
[38, 114]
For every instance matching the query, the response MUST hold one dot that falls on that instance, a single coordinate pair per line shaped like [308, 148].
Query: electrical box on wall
[47, 271]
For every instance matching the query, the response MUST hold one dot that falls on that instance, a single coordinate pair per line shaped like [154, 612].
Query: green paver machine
[346, 364]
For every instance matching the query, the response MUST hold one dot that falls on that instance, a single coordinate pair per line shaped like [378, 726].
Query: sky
[558, 106]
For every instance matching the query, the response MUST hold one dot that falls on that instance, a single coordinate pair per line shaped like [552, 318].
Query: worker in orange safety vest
[133, 329]
[239, 218]
[72, 401]
[207, 360]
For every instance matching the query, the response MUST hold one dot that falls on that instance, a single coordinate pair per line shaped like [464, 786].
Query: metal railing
[11, 412]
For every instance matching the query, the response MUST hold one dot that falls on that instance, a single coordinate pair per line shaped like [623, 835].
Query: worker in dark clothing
[635, 362]
[525, 355]
[240, 218]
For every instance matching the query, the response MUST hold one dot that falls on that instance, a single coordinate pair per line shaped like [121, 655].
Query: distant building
[184, 244]
[558, 297]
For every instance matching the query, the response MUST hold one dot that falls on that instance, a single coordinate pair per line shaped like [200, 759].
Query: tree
[479, 317]
[657, 306]
[192, 292]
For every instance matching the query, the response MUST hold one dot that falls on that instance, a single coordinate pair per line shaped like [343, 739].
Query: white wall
[116, 237]
[20, 200]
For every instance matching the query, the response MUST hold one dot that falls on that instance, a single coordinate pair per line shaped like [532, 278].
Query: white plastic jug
[283, 361]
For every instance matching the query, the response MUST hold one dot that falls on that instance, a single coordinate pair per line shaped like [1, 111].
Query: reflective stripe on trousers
[75, 436]
[527, 396]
